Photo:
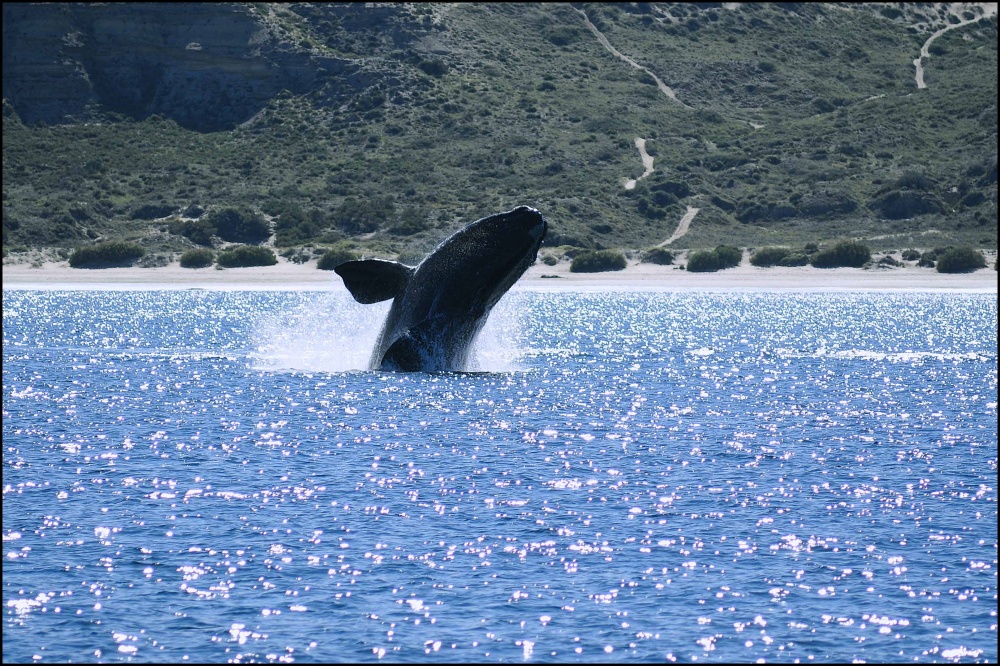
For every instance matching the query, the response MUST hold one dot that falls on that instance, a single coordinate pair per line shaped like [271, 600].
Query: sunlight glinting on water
[661, 477]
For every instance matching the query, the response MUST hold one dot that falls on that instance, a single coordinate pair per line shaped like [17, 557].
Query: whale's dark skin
[440, 305]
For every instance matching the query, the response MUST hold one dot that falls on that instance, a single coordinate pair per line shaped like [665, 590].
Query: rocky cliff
[208, 66]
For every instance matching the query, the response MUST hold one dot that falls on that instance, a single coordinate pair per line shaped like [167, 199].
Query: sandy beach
[288, 276]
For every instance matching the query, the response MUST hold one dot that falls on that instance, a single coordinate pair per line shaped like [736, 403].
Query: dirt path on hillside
[989, 9]
[647, 164]
[682, 226]
[664, 88]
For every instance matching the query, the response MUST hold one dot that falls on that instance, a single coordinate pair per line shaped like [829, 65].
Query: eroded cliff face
[206, 66]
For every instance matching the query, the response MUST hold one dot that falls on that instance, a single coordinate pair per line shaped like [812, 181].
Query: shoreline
[288, 276]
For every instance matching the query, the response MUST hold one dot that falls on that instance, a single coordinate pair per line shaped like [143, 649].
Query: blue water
[212, 476]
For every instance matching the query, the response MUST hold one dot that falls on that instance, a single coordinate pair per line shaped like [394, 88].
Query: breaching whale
[442, 303]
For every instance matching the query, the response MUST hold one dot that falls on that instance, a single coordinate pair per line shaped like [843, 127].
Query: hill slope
[386, 127]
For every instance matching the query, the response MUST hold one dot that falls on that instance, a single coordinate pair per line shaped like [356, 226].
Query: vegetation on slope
[796, 123]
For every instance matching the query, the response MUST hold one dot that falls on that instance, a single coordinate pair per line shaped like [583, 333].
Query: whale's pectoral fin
[405, 355]
[374, 280]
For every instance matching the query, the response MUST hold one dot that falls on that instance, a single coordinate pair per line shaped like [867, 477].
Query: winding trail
[664, 88]
[647, 164]
[682, 226]
[989, 9]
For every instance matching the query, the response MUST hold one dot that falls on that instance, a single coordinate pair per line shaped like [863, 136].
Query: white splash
[334, 333]
[498, 346]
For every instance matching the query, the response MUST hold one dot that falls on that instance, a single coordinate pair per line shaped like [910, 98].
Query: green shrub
[111, 253]
[794, 260]
[549, 260]
[563, 35]
[768, 256]
[356, 216]
[197, 231]
[199, 258]
[598, 261]
[152, 211]
[729, 256]
[333, 258]
[707, 261]
[434, 67]
[845, 253]
[411, 221]
[239, 225]
[703, 261]
[960, 260]
[658, 255]
[247, 255]
[911, 255]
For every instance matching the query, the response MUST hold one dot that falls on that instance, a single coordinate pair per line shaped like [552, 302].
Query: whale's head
[475, 267]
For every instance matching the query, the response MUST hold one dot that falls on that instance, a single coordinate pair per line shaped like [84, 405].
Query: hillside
[382, 128]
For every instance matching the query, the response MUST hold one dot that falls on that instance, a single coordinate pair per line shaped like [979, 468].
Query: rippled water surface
[624, 477]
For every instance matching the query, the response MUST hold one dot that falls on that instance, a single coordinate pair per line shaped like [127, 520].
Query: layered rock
[206, 66]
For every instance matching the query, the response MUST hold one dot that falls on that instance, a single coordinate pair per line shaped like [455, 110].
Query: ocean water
[213, 476]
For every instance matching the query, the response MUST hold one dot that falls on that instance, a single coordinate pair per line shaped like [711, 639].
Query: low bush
[239, 225]
[411, 221]
[199, 258]
[197, 231]
[911, 255]
[361, 216]
[152, 211]
[846, 253]
[247, 255]
[333, 258]
[930, 257]
[768, 256]
[960, 260]
[658, 255]
[703, 261]
[794, 260]
[598, 261]
[729, 256]
[563, 35]
[111, 253]
[707, 261]
[435, 67]
[194, 210]
[549, 260]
